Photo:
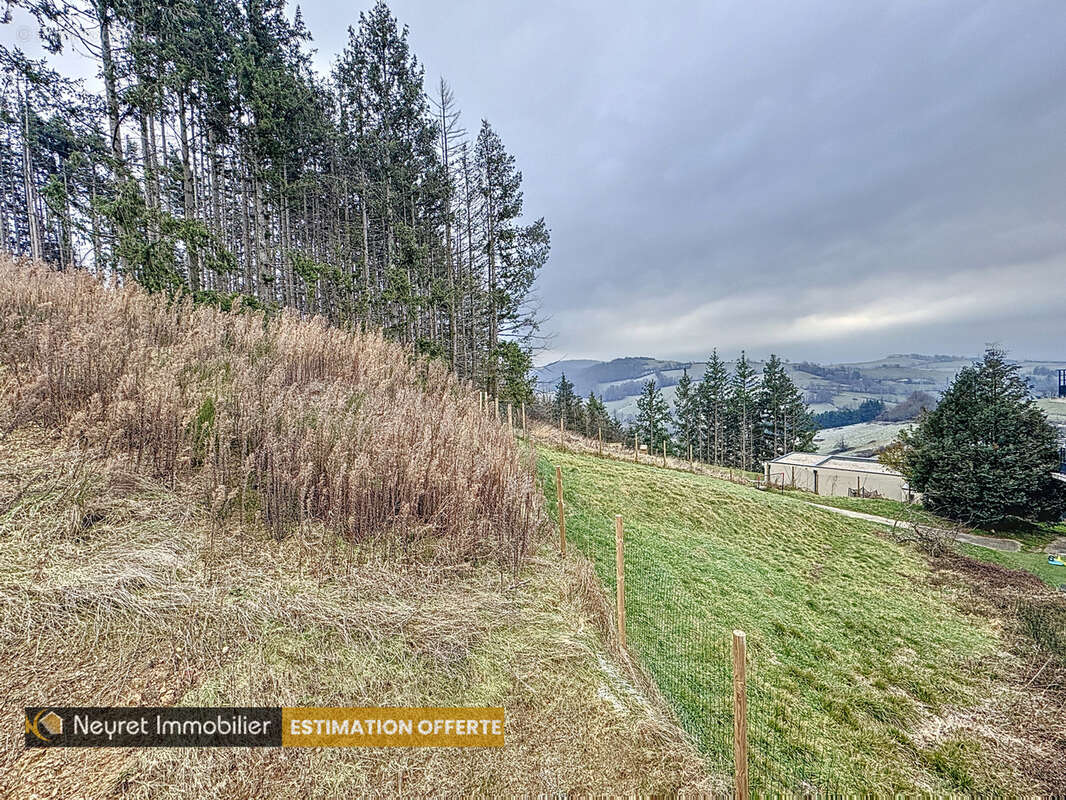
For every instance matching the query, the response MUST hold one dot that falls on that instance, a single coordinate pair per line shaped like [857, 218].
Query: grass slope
[853, 653]
[118, 590]
[1034, 538]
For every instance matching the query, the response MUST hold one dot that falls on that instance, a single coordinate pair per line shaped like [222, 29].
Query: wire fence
[689, 653]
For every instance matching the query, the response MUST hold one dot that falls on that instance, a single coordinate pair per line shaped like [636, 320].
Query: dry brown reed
[288, 417]
[116, 590]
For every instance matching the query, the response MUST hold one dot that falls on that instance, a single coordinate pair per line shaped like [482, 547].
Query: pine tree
[563, 402]
[653, 417]
[687, 413]
[987, 451]
[784, 422]
[713, 398]
[742, 415]
[599, 422]
[216, 162]
[514, 253]
[514, 367]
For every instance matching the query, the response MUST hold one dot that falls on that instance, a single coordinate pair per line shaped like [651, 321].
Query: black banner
[167, 726]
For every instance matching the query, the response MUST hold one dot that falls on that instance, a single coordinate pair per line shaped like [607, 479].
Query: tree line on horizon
[737, 418]
[216, 162]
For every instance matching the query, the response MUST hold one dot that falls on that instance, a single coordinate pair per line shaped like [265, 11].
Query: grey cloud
[747, 173]
[722, 173]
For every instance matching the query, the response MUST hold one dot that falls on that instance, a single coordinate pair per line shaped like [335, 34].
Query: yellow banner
[392, 727]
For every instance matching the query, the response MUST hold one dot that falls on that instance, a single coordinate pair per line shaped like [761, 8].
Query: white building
[837, 476]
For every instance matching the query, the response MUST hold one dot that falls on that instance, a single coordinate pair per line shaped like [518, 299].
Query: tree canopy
[986, 452]
[653, 417]
[216, 162]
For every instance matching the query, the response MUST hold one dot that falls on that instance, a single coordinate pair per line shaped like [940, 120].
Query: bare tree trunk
[97, 256]
[5, 225]
[260, 259]
[189, 190]
[27, 180]
[110, 92]
[366, 250]
[490, 233]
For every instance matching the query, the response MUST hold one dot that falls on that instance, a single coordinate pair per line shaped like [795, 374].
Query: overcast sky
[826, 180]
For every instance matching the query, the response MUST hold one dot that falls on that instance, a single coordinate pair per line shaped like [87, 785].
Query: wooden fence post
[691, 463]
[664, 452]
[523, 415]
[599, 436]
[510, 423]
[620, 578]
[496, 406]
[636, 449]
[740, 715]
[562, 517]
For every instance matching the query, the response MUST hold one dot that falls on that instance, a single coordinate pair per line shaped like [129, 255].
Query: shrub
[908, 409]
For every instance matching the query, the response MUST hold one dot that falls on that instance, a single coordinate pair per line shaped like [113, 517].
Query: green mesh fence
[689, 655]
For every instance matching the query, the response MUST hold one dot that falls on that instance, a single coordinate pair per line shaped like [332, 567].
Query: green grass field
[852, 652]
[1028, 533]
[1033, 537]
[882, 507]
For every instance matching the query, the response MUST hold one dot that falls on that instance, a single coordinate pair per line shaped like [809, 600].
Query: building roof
[846, 463]
[801, 459]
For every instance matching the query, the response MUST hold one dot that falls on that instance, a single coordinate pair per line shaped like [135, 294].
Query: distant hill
[597, 375]
[827, 387]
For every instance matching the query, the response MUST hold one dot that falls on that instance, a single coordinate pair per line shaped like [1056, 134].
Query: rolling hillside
[863, 438]
[207, 508]
[827, 387]
[873, 668]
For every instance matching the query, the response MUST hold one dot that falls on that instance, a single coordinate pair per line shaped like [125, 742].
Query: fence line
[620, 577]
[740, 715]
[569, 441]
[743, 725]
[562, 515]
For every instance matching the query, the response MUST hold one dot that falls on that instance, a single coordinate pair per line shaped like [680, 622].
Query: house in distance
[837, 476]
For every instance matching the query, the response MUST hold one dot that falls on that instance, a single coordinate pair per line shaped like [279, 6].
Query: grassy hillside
[863, 437]
[116, 589]
[1033, 538]
[207, 508]
[859, 661]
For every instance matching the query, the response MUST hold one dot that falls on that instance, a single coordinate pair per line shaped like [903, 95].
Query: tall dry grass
[302, 423]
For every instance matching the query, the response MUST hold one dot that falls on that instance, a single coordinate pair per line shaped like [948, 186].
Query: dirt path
[991, 542]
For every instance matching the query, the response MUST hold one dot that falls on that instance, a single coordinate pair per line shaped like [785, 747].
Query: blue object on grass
[1055, 561]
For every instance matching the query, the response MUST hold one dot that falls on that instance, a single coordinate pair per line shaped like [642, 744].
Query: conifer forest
[213, 159]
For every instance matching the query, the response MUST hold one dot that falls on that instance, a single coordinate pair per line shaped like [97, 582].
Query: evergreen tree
[653, 417]
[784, 421]
[514, 367]
[514, 253]
[578, 419]
[713, 399]
[215, 161]
[598, 419]
[563, 402]
[986, 452]
[742, 415]
[687, 413]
